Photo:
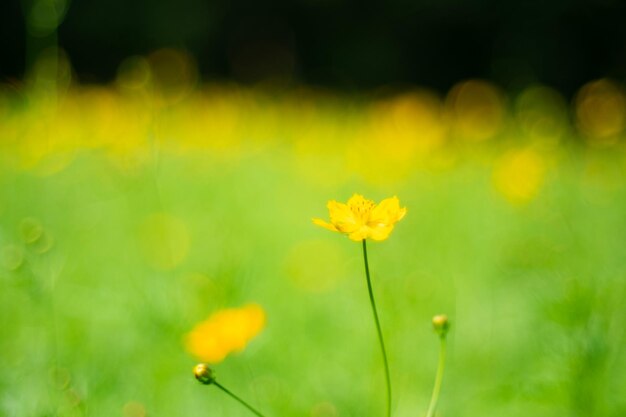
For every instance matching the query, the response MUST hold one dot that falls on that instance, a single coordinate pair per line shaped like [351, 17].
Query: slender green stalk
[242, 402]
[438, 377]
[378, 329]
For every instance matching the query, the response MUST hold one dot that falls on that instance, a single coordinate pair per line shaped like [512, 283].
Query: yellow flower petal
[356, 200]
[325, 225]
[358, 235]
[387, 212]
[380, 233]
[342, 217]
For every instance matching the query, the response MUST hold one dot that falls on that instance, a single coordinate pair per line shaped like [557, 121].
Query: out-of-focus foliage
[131, 212]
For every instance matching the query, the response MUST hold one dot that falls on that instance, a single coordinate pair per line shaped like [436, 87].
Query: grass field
[127, 217]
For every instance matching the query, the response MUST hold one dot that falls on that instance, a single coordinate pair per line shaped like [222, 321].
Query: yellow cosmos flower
[362, 219]
[225, 331]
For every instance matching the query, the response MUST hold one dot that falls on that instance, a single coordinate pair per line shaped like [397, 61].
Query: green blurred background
[133, 207]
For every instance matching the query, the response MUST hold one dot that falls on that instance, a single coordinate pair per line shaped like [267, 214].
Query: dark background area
[342, 44]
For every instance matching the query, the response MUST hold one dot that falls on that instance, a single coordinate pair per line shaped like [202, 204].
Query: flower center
[362, 208]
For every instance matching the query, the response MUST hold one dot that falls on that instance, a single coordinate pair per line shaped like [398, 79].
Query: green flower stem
[379, 330]
[242, 402]
[439, 377]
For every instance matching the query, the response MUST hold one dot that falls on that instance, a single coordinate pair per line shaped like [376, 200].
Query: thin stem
[242, 402]
[438, 378]
[378, 329]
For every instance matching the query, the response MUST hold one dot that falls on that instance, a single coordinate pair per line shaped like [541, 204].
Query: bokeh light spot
[73, 398]
[601, 111]
[45, 16]
[52, 71]
[44, 243]
[324, 409]
[134, 73]
[174, 74]
[30, 230]
[411, 122]
[541, 112]
[519, 174]
[12, 257]
[476, 109]
[164, 241]
[134, 409]
[60, 377]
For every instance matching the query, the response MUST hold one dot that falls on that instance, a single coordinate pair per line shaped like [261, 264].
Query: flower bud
[203, 374]
[441, 324]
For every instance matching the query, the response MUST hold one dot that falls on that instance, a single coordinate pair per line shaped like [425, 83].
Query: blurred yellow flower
[362, 219]
[225, 331]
